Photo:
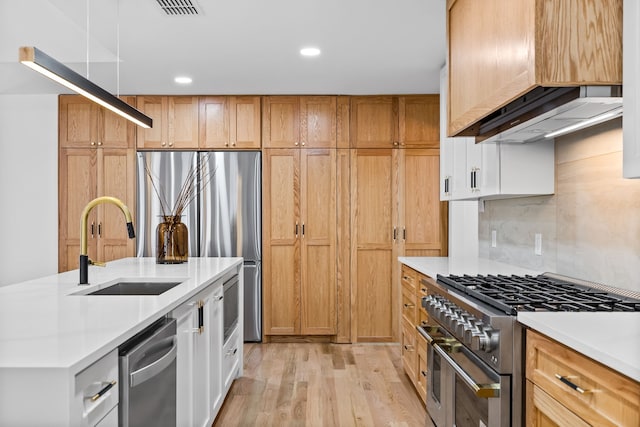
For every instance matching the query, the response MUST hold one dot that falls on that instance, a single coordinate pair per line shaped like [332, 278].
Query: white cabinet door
[631, 95]
[186, 325]
[216, 333]
[201, 364]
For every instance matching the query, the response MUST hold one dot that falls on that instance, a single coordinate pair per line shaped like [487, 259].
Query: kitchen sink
[133, 287]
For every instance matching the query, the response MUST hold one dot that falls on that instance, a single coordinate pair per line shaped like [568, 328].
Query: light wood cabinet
[395, 211]
[299, 121]
[566, 388]
[229, 122]
[175, 122]
[538, 43]
[374, 248]
[299, 240]
[85, 174]
[84, 124]
[413, 315]
[395, 121]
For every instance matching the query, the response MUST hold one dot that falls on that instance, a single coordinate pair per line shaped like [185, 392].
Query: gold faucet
[84, 257]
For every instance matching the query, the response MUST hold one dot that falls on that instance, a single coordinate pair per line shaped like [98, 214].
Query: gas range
[475, 339]
[512, 294]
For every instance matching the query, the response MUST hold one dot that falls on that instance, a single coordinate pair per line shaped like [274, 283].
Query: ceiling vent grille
[179, 7]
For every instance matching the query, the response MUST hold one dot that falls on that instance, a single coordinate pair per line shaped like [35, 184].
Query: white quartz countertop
[42, 324]
[432, 266]
[612, 339]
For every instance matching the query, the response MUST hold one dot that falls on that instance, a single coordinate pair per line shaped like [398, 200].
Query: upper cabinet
[84, 124]
[230, 122]
[175, 122]
[492, 170]
[299, 121]
[395, 121]
[631, 130]
[533, 43]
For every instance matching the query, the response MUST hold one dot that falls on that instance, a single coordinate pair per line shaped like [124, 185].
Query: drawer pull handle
[101, 393]
[423, 373]
[408, 347]
[570, 384]
[232, 352]
[406, 277]
[409, 306]
[424, 290]
[424, 323]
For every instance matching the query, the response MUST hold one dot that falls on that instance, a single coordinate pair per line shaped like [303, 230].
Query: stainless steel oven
[462, 390]
[230, 290]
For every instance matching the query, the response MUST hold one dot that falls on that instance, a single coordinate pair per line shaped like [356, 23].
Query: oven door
[462, 390]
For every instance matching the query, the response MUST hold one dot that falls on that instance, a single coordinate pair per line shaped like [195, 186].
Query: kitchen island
[50, 330]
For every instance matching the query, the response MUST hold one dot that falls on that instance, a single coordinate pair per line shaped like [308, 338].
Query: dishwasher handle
[151, 370]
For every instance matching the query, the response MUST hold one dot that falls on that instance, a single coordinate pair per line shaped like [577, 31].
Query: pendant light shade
[43, 63]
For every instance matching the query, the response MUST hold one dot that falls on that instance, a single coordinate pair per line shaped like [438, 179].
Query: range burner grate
[538, 293]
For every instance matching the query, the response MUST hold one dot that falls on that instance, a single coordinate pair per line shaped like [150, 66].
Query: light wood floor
[310, 384]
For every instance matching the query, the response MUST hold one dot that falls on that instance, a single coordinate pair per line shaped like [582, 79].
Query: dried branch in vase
[197, 179]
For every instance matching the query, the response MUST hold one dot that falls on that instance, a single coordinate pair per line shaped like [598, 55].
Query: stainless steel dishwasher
[148, 377]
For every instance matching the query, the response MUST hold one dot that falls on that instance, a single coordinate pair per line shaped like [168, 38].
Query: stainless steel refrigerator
[223, 220]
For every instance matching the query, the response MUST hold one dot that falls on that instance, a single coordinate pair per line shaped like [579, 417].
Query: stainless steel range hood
[549, 109]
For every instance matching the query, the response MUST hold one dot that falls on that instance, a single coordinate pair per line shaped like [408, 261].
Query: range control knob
[485, 341]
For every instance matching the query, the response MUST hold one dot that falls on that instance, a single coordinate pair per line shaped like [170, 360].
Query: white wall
[28, 187]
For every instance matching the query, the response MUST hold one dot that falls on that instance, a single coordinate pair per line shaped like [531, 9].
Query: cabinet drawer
[409, 277]
[598, 394]
[543, 410]
[409, 351]
[231, 359]
[421, 374]
[96, 389]
[408, 306]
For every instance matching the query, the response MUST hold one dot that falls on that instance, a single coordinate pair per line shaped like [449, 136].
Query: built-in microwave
[230, 307]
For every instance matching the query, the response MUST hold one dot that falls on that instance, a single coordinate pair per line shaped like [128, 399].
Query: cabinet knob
[303, 144]
[171, 144]
[233, 144]
[226, 144]
[163, 144]
[295, 143]
[93, 143]
[99, 143]
[395, 144]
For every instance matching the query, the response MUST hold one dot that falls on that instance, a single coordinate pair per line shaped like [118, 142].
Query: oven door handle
[480, 390]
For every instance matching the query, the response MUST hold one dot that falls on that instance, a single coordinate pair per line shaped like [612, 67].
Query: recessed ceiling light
[183, 80]
[310, 51]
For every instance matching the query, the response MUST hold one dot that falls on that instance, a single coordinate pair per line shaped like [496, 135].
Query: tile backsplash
[590, 227]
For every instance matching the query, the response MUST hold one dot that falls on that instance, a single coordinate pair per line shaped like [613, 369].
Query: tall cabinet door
[373, 244]
[318, 242]
[76, 187]
[281, 227]
[116, 170]
[423, 216]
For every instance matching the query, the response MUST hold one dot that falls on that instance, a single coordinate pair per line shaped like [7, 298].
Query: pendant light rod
[39, 61]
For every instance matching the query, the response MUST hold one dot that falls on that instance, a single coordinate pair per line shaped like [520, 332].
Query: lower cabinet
[414, 345]
[566, 388]
[201, 379]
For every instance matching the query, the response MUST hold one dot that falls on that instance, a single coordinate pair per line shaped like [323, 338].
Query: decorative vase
[173, 241]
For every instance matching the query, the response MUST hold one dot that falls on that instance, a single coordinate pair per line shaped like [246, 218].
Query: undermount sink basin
[136, 288]
[133, 286]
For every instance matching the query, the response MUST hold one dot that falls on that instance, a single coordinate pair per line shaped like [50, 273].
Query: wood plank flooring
[320, 384]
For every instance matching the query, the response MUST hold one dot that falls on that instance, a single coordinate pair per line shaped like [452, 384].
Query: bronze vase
[173, 241]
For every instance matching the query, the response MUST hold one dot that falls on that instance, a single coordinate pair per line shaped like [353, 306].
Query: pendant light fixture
[39, 61]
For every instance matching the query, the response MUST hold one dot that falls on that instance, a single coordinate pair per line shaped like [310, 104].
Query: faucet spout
[84, 257]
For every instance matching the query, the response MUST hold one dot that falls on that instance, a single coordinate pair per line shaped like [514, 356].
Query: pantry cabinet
[299, 121]
[566, 388]
[229, 122]
[175, 122]
[299, 241]
[84, 124]
[537, 43]
[395, 121]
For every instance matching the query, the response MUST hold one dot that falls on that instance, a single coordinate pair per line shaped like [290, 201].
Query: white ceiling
[233, 47]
